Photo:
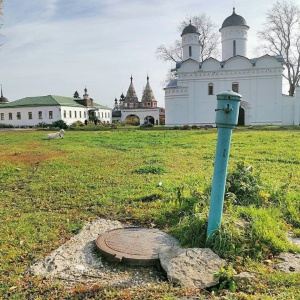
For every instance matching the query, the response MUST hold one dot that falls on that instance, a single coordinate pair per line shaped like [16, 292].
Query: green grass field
[50, 188]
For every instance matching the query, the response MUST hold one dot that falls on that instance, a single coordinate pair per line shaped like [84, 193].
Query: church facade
[190, 99]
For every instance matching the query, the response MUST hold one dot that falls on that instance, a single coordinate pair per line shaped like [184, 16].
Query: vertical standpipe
[227, 112]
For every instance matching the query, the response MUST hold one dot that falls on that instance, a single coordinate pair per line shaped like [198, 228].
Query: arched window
[234, 48]
[210, 89]
[235, 87]
[190, 51]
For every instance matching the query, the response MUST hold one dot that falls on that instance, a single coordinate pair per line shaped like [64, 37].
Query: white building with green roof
[31, 111]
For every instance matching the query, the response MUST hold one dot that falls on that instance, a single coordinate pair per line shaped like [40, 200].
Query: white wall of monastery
[142, 114]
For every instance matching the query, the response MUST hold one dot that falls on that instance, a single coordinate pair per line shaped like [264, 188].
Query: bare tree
[170, 53]
[281, 36]
[209, 40]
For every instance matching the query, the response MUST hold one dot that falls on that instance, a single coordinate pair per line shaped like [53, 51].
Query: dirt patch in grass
[28, 158]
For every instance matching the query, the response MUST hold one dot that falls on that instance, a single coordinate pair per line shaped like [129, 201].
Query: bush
[60, 124]
[243, 187]
[43, 125]
[6, 126]
[185, 127]
[145, 125]
[77, 123]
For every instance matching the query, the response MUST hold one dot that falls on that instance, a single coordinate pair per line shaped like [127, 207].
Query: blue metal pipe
[226, 118]
[219, 180]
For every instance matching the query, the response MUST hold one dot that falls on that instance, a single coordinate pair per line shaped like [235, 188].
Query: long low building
[31, 111]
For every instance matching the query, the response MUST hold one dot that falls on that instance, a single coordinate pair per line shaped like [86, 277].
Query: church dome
[234, 20]
[3, 100]
[190, 29]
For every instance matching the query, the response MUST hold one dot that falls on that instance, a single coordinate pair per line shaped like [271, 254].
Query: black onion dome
[3, 100]
[190, 29]
[234, 20]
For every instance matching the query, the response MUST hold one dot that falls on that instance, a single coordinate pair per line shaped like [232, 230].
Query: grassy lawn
[50, 188]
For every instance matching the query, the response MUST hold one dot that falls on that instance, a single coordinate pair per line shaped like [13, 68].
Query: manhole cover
[135, 246]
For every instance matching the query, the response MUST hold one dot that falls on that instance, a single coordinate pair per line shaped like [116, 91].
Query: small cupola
[234, 20]
[190, 43]
[190, 29]
[234, 32]
[2, 98]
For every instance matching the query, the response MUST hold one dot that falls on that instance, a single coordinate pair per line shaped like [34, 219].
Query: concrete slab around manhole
[134, 245]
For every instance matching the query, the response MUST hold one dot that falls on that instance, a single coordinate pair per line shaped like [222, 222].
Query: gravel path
[78, 261]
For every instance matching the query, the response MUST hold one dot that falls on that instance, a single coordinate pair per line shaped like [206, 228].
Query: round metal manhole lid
[134, 245]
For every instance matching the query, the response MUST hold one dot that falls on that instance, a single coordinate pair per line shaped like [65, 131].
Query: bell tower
[190, 43]
[234, 32]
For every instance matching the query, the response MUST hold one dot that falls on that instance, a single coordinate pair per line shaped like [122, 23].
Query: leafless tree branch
[281, 36]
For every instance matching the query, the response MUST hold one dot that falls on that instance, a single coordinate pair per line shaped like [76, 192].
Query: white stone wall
[71, 114]
[237, 34]
[68, 114]
[142, 114]
[104, 115]
[24, 111]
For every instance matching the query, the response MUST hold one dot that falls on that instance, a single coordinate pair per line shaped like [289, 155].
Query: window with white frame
[70, 114]
[50, 114]
[18, 115]
[40, 115]
[10, 116]
[2, 116]
[30, 115]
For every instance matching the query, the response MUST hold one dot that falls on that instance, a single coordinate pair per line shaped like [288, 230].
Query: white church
[190, 99]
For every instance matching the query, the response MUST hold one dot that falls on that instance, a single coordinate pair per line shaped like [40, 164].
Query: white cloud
[50, 8]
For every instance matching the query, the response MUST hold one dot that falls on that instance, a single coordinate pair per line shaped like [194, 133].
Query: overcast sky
[60, 46]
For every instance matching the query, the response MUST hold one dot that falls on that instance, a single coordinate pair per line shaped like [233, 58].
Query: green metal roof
[99, 106]
[49, 100]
